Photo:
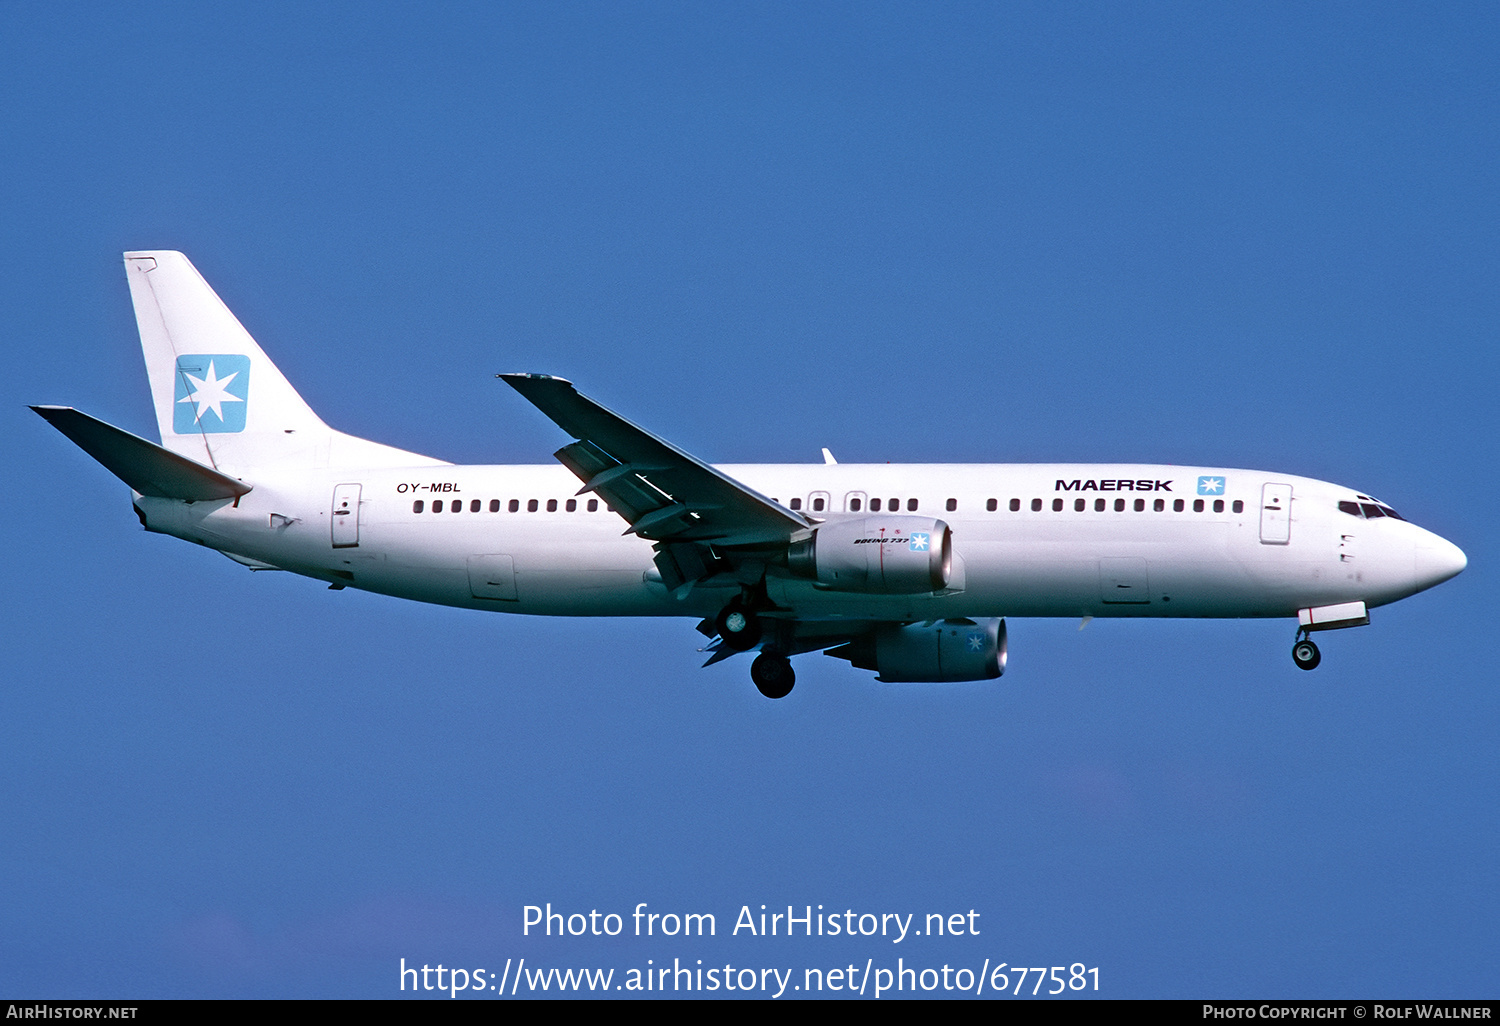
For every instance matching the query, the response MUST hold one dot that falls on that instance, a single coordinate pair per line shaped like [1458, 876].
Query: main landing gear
[1304, 653]
[772, 673]
[740, 629]
[739, 626]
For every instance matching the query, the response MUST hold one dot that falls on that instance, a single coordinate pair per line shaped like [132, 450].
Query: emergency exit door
[346, 516]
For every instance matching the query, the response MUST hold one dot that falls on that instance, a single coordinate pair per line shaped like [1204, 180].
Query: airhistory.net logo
[212, 393]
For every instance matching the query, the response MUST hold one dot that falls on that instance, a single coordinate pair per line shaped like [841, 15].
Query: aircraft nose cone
[1437, 560]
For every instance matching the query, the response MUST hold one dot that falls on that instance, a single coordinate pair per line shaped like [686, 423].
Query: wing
[704, 522]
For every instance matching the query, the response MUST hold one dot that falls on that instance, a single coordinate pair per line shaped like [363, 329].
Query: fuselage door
[1124, 580]
[492, 577]
[1276, 514]
[345, 516]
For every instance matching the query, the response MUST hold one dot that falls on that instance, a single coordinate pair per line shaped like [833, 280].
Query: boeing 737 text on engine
[904, 570]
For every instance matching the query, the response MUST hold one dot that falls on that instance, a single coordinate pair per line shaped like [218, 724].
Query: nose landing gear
[1304, 653]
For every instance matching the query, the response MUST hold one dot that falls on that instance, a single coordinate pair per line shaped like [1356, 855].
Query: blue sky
[1209, 234]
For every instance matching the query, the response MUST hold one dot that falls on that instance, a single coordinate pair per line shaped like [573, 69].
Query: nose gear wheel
[1305, 654]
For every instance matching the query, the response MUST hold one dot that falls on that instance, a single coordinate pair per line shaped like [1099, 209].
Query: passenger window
[818, 505]
[474, 506]
[1079, 505]
[1176, 505]
[992, 505]
[456, 505]
[1140, 505]
[854, 505]
[593, 505]
[416, 507]
[515, 505]
[572, 505]
[1119, 505]
[437, 505]
[874, 505]
[894, 505]
[1036, 505]
[1057, 505]
[952, 505]
[911, 505]
[551, 505]
[1098, 505]
[494, 505]
[531, 505]
[1015, 505]
[1239, 506]
[797, 503]
[1197, 505]
[1218, 505]
[1159, 505]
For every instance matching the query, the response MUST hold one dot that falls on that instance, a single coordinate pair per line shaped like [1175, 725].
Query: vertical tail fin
[219, 399]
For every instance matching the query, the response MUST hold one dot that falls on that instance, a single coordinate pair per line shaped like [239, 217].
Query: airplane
[907, 570]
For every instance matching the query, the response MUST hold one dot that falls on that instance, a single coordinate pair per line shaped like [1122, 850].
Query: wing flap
[145, 466]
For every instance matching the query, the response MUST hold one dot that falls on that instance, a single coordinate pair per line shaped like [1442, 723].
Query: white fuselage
[1120, 560]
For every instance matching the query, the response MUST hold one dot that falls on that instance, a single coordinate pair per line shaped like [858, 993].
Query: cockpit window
[1368, 510]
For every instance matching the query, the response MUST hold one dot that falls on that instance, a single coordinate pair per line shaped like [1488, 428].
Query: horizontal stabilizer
[144, 466]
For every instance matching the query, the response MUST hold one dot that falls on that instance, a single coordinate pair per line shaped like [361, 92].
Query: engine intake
[882, 555]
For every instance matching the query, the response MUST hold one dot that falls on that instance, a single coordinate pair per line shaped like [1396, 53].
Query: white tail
[219, 399]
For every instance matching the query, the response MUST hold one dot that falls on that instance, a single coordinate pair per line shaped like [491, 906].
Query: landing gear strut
[773, 674]
[1304, 653]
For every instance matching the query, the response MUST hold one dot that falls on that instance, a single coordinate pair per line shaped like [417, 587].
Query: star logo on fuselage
[1210, 486]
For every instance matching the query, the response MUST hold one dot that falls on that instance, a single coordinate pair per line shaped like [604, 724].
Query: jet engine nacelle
[884, 555]
[945, 651]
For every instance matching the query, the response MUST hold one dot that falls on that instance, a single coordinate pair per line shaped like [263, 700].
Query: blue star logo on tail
[212, 393]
